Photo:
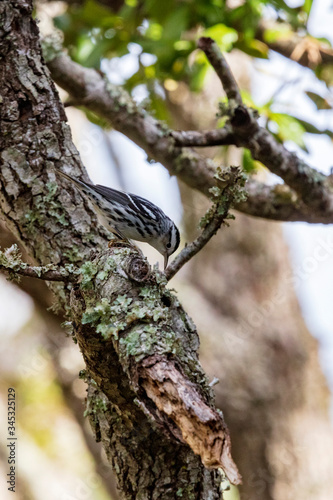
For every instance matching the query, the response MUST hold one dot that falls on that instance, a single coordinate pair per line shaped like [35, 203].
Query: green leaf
[154, 31]
[97, 120]
[289, 128]
[325, 73]
[253, 47]
[158, 106]
[312, 129]
[198, 74]
[223, 35]
[176, 23]
[249, 165]
[319, 101]
[306, 7]
[280, 32]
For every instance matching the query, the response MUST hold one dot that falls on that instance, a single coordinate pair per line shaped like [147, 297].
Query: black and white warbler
[129, 216]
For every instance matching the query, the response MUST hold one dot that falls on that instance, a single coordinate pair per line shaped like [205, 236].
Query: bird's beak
[166, 258]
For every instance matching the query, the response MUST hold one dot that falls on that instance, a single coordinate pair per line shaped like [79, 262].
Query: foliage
[159, 41]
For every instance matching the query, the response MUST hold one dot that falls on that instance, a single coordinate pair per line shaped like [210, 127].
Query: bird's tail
[79, 184]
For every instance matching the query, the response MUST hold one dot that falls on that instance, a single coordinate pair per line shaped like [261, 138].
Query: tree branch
[11, 262]
[195, 246]
[222, 69]
[88, 88]
[312, 53]
[229, 191]
[313, 187]
[279, 202]
[204, 138]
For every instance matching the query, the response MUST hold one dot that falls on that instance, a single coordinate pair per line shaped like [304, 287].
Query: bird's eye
[168, 245]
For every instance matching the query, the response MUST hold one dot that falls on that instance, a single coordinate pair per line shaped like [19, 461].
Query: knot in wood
[137, 268]
[241, 117]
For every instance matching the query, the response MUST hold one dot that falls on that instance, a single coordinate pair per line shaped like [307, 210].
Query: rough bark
[125, 320]
[55, 343]
[148, 367]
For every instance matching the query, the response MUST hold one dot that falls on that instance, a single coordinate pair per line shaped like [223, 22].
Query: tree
[148, 398]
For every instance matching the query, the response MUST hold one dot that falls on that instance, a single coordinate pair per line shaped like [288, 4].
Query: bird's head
[168, 243]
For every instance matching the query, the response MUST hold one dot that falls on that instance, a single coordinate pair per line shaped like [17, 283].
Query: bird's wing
[112, 194]
[125, 199]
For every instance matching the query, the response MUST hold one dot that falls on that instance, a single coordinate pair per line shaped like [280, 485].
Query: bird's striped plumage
[131, 217]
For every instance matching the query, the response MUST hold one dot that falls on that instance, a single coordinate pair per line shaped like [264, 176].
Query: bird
[131, 217]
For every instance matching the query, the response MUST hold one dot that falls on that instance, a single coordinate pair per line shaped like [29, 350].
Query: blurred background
[260, 293]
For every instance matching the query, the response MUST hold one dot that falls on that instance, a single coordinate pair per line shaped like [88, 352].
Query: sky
[311, 262]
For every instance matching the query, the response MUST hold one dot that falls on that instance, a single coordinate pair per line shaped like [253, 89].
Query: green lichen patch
[108, 318]
[145, 340]
[140, 320]
[88, 272]
[11, 260]
[123, 100]
[228, 192]
[96, 404]
[99, 313]
[44, 206]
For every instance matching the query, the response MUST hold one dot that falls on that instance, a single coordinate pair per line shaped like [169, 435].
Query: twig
[41, 272]
[219, 137]
[10, 261]
[193, 248]
[228, 191]
[221, 67]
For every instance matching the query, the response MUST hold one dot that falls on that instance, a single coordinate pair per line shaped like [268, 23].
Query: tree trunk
[148, 398]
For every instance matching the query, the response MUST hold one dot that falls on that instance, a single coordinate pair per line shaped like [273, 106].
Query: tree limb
[225, 195]
[11, 262]
[221, 68]
[93, 92]
[194, 247]
[312, 53]
[204, 138]
[313, 187]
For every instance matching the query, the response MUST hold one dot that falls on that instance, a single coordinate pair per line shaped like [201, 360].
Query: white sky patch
[12, 316]
[315, 294]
